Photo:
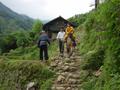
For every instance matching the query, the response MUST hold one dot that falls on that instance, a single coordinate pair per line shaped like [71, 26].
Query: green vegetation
[18, 39]
[29, 53]
[21, 65]
[100, 47]
[78, 19]
[19, 54]
[17, 74]
[99, 33]
[14, 29]
[25, 43]
[10, 21]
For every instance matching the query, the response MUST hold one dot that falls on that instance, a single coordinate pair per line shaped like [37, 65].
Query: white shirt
[60, 35]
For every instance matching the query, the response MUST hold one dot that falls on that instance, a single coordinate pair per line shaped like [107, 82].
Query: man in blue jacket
[43, 45]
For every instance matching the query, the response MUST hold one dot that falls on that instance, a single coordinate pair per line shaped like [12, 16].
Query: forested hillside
[11, 21]
[12, 26]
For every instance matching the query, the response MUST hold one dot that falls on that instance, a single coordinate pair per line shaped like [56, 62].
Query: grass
[22, 65]
[100, 47]
[17, 74]
[29, 53]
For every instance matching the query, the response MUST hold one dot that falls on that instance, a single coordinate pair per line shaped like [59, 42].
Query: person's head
[42, 32]
[61, 30]
[68, 24]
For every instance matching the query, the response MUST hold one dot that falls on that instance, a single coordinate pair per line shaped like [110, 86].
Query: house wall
[54, 35]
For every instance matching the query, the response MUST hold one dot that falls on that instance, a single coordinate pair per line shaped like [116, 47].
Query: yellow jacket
[69, 30]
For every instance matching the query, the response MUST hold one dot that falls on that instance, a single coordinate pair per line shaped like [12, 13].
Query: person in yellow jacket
[69, 31]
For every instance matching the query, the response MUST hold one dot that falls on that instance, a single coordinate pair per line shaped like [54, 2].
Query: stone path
[67, 72]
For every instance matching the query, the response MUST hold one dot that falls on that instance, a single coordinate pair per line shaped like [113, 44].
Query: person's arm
[72, 29]
[38, 43]
[64, 35]
[48, 40]
[58, 35]
[66, 30]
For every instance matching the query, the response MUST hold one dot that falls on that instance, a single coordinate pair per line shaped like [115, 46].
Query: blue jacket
[43, 40]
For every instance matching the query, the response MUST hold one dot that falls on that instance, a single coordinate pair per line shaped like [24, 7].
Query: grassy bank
[17, 74]
[100, 48]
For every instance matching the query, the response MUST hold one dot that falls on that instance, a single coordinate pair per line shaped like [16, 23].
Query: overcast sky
[49, 9]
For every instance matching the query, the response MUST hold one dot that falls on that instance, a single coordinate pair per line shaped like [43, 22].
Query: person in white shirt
[60, 37]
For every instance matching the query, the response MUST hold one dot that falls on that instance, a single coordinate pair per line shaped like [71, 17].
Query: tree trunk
[96, 3]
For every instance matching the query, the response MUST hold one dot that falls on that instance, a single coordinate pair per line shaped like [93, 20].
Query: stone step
[67, 72]
[73, 76]
[58, 88]
[64, 88]
[66, 85]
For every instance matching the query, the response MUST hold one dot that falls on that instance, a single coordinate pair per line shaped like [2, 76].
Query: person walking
[43, 45]
[70, 40]
[69, 31]
[60, 38]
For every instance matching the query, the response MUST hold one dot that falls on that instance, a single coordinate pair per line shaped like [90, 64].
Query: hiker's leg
[46, 52]
[71, 51]
[68, 49]
[41, 53]
[60, 45]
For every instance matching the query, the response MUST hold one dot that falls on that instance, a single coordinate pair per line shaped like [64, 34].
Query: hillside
[11, 21]
[100, 47]
[12, 26]
[94, 64]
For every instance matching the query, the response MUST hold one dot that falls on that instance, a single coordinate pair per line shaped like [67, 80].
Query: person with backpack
[43, 45]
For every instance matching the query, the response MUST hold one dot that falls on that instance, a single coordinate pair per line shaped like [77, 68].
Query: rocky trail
[67, 72]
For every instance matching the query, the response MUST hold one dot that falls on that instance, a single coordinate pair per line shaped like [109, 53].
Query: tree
[37, 26]
[22, 38]
[7, 42]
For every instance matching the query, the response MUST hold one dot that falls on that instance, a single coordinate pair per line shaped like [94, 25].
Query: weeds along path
[67, 72]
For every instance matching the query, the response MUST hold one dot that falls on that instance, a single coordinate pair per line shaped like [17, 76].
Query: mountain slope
[10, 20]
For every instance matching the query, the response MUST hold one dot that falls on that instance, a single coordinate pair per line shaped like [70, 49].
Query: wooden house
[53, 26]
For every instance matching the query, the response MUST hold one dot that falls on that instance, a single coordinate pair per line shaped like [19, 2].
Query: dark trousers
[43, 52]
[61, 46]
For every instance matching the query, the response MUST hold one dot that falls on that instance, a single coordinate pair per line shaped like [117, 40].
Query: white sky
[49, 9]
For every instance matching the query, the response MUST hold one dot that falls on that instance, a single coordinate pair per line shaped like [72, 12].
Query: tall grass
[101, 46]
[16, 75]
